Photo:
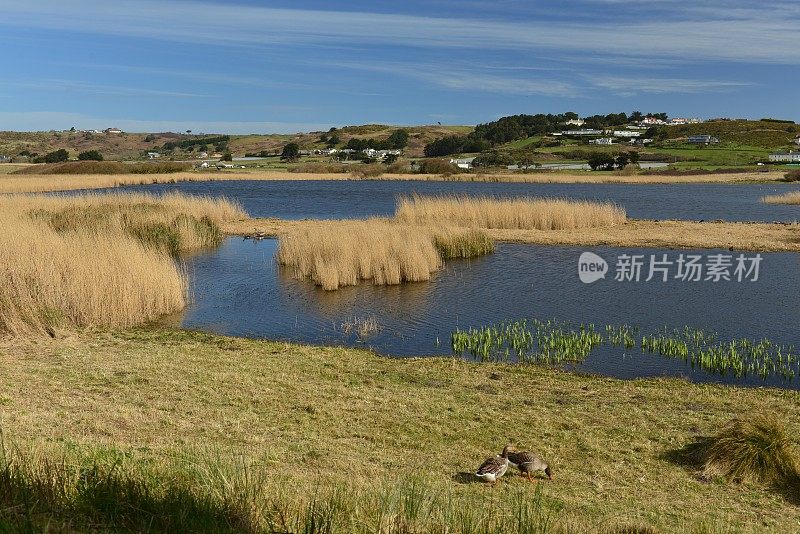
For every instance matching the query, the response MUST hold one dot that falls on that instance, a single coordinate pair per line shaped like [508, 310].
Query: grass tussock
[98, 260]
[755, 448]
[792, 197]
[106, 167]
[516, 213]
[107, 491]
[343, 253]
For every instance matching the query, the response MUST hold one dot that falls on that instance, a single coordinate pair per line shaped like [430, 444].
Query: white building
[582, 132]
[575, 122]
[626, 133]
[462, 163]
[602, 141]
[112, 131]
[785, 157]
[153, 155]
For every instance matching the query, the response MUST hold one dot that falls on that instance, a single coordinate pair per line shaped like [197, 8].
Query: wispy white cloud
[463, 79]
[767, 34]
[55, 120]
[631, 85]
[96, 89]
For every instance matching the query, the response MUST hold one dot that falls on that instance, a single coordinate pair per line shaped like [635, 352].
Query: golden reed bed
[95, 260]
[514, 213]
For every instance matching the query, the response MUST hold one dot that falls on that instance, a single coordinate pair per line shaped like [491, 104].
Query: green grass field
[260, 430]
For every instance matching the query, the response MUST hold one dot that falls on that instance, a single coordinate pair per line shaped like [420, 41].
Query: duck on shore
[495, 467]
[529, 462]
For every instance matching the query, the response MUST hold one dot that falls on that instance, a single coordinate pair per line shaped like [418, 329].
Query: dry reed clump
[513, 213]
[755, 448]
[372, 170]
[175, 223]
[342, 253]
[97, 260]
[792, 197]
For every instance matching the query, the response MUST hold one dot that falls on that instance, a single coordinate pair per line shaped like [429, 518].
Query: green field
[264, 430]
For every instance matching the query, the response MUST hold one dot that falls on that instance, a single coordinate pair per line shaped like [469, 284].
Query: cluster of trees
[57, 156]
[607, 161]
[455, 144]
[397, 140]
[515, 127]
[220, 143]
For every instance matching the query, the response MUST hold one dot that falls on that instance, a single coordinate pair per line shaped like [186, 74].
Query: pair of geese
[527, 462]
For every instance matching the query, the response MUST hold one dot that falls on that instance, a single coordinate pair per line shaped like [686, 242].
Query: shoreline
[635, 233]
[40, 183]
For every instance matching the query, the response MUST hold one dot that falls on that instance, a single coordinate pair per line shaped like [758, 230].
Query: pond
[359, 199]
[239, 290]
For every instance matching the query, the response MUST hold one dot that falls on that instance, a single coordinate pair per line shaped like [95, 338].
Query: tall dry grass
[342, 253]
[97, 260]
[39, 183]
[514, 213]
[792, 197]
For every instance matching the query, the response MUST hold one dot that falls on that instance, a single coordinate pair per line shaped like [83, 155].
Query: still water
[358, 199]
[239, 290]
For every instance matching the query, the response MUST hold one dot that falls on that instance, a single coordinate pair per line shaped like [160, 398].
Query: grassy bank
[98, 260]
[246, 432]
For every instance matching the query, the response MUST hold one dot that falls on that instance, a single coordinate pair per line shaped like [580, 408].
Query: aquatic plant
[527, 342]
[535, 341]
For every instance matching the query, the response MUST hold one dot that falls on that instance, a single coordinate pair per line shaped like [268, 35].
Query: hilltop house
[785, 157]
[112, 131]
[602, 141]
[153, 155]
[575, 122]
[797, 140]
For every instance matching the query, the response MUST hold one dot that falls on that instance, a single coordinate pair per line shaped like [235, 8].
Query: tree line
[516, 127]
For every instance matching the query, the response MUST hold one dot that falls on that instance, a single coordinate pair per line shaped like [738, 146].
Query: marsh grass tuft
[335, 254]
[792, 197]
[756, 448]
[511, 213]
[363, 327]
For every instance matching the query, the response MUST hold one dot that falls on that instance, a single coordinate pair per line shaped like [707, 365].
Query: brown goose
[528, 462]
[494, 468]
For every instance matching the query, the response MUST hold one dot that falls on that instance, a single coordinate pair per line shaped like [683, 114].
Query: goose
[495, 467]
[528, 462]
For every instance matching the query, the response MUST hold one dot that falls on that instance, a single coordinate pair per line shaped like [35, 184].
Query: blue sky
[280, 66]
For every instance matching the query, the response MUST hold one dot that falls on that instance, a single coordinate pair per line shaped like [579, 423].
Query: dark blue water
[359, 199]
[239, 290]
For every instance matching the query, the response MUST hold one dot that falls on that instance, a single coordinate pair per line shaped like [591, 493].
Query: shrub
[320, 168]
[90, 155]
[437, 166]
[792, 176]
[372, 170]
